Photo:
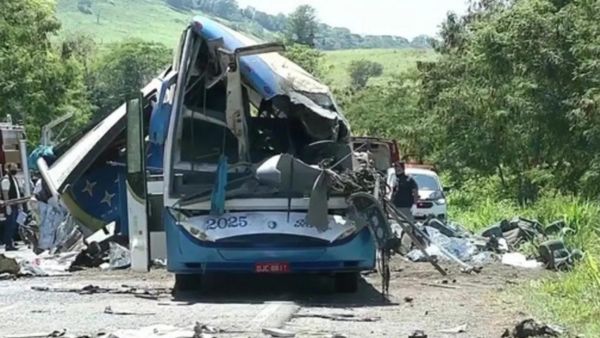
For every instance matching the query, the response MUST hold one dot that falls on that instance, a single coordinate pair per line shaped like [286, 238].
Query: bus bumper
[187, 255]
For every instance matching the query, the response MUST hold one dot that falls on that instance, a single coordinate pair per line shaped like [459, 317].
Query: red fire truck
[13, 150]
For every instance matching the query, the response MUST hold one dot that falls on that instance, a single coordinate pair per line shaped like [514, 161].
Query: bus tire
[346, 282]
[187, 282]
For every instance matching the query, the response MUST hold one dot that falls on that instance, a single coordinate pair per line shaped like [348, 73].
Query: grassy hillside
[152, 20]
[394, 61]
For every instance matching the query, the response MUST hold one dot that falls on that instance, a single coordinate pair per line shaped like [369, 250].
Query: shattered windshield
[296, 125]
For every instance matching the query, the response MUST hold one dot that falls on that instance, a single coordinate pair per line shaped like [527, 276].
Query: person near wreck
[10, 191]
[405, 191]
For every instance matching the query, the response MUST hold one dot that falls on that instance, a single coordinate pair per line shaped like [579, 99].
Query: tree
[362, 70]
[227, 9]
[302, 25]
[39, 83]
[515, 92]
[392, 111]
[121, 72]
[308, 58]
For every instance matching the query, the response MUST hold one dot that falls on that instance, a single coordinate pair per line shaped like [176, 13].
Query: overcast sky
[407, 18]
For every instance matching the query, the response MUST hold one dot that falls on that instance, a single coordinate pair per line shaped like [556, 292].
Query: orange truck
[384, 152]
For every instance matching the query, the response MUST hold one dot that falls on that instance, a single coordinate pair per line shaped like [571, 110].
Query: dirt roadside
[421, 299]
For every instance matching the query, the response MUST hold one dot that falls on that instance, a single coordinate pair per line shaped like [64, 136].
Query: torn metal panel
[74, 162]
[287, 173]
[273, 75]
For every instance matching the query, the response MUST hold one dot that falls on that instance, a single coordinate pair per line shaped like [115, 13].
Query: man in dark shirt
[11, 190]
[406, 192]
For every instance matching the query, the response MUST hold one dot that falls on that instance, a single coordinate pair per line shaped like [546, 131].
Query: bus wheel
[346, 282]
[187, 282]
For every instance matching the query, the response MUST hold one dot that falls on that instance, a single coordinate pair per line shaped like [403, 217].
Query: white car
[432, 200]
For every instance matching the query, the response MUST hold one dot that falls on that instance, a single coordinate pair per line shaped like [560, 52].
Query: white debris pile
[45, 264]
[119, 257]
[167, 331]
[500, 242]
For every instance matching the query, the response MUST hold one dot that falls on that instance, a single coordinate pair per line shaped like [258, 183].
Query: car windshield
[426, 182]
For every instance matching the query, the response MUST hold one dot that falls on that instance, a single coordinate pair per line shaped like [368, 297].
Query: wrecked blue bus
[225, 148]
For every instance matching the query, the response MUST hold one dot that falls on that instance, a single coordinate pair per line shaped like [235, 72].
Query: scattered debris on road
[201, 329]
[108, 310]
[519, 260]
[279, 333]
[93, 289]
[532, 328]
[54, 334]
[9, 265]
[159, 263]
[155, 331]
[338, 317]
[499, 242]
[459, 329]
[119, 256]
[443, 286]
[418, 334]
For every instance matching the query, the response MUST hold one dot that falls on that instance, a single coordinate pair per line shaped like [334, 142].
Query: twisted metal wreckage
[297, 142]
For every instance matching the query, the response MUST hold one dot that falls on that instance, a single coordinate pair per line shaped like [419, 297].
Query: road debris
[39, 335]
[555, 255]
[498, 242]
[443, 286]
[159, 263]
[531, 328]
[119, 256]
[93, 289]
[338, 317]
[459, 329]
[149, 297]
[519, 260]
[200, 329]
[110, 311]
[278, 333]
[46, 264]
[7, 276]
[155, 331]
[418, 334]
[9, 265]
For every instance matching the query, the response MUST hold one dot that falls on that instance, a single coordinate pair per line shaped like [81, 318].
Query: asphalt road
[244, 305]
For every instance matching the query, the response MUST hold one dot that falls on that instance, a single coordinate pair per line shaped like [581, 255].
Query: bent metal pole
[25, 167]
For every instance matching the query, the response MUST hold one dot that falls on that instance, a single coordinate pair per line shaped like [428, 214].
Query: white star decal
[89, 187]
[107, 198]
[117, 179]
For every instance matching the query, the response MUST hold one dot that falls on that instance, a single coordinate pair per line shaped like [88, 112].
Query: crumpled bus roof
[270, 75]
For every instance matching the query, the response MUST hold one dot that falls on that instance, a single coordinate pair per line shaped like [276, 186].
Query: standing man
[405, 193]
[10, 191]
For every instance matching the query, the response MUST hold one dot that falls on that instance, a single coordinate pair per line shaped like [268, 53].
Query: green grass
[150, 20]
[572, 298]
[153, 20]
[394, 61]
[145, 19]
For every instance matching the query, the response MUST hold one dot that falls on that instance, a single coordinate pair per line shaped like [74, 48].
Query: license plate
[272, 268]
